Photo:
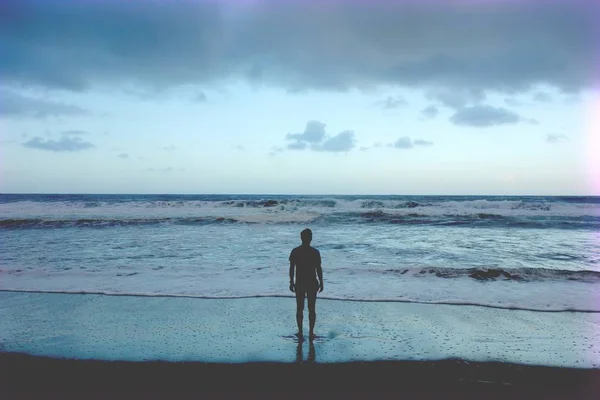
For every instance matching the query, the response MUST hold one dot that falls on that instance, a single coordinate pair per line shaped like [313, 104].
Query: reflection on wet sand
[311, 352]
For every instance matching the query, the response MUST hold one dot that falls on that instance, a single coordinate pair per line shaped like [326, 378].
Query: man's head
[306, 236]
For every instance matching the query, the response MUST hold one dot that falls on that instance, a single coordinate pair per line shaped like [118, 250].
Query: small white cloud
[392, 102]
[552, 138]
[123, 156]
[297, 145]
[341, 142]
[65, 144]
[420, 142]
[403, 143]
[406, 143]
[313, 133]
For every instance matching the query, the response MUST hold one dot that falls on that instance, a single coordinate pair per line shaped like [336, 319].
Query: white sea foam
[240, 247]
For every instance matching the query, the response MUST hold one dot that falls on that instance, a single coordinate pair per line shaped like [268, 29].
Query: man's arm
[292, 286]
[320, 274]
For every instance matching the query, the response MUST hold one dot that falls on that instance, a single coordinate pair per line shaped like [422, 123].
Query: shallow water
[260, 329]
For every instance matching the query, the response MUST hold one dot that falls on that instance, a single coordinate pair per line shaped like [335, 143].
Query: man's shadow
[311, 352]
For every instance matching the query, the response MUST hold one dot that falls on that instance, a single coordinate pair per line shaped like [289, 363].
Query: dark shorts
[308, 291]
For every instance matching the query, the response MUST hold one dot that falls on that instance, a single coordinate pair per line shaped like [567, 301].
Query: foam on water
[537, 253]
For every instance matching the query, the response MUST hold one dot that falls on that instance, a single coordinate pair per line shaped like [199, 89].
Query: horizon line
[291, 194]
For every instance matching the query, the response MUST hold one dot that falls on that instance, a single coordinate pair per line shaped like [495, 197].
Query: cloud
[298, 145]
[313, 133]
[315, 138]
[455, 98]
[421, 142]
[239, 147]
[124, 156]
[15, 105]
[341, 142]
[477, 46]
[406, 143]
[276, 150]
[403, 143]
[63, 145]
[168, 148]
[542, 97]
[430, 112]
[74, 132]
[484, 116]
[391, 103]
[200, 97]
[556, 138]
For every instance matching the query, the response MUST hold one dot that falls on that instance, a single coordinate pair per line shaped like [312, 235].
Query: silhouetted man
[307, 261]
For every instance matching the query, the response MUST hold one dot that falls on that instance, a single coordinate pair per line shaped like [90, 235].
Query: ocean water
[528, 253]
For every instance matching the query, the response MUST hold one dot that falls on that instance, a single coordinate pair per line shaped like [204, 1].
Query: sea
[537, 253]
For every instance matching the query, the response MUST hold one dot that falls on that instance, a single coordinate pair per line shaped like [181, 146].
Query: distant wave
[62, 211]
[368, 217]
[493, 274]
[383, 300]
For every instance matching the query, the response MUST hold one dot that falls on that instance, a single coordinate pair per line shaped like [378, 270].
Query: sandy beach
[41, 376]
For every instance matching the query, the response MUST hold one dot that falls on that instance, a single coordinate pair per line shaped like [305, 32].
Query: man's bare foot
[299, 335]
[312, 335]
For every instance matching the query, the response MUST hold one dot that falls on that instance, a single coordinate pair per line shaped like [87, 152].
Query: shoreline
[22, 373]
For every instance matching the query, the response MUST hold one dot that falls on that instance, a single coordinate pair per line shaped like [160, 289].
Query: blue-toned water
[539, 253]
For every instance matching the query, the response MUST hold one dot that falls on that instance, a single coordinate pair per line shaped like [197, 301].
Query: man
[309, 279]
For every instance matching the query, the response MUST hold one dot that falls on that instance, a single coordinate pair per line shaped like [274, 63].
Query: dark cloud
[65, 144]
[430, 112]
[542, 97]
[391, 103]
[313, 133]
[124, 156]
[555, 138]
[14, 105]
[341, 142]
[475, 47]
[483, 116]
[456, 98]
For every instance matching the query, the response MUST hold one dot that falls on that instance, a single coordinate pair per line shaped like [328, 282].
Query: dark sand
[41, 377]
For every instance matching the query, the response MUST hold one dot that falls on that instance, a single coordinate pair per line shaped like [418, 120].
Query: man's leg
[299, 308]
[312, 314]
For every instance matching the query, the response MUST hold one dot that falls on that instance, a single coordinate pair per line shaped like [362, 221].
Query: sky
[448, 97]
